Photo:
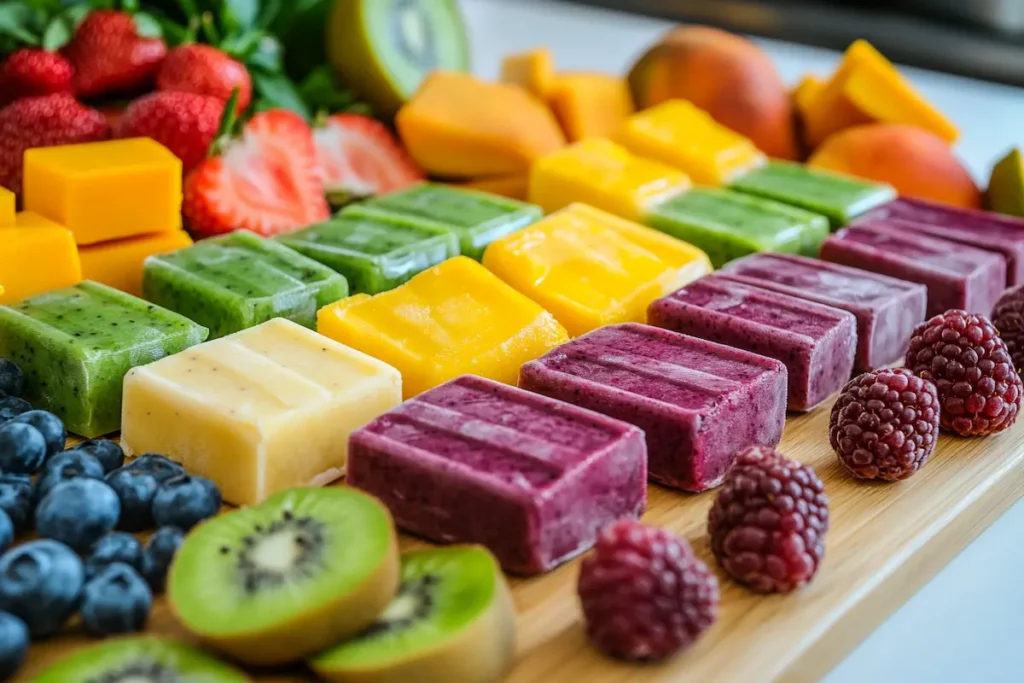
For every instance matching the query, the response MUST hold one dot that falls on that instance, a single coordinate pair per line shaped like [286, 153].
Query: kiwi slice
[283, 580]
[452, 620]
[141, 659]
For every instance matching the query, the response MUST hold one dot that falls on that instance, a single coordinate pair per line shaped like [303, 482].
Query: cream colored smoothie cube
[259, 411]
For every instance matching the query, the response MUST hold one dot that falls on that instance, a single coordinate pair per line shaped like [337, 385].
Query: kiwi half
[452, 620]
[280, 581]
[141, 659]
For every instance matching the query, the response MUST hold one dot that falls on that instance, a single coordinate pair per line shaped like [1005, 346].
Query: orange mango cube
[6, 208]
[590, 105]
[533, 70]
[36, 255]
[118, 264]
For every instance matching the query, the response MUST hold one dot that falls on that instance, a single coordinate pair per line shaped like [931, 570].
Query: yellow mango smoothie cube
[590, 268]
[6, 208]
[604, 175]
[681, 135]
[454, 319]
[105, 190]
[119, 263]
[259, 411]
[36, 255]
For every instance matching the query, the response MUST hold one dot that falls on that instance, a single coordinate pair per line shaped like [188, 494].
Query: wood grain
[885, 542]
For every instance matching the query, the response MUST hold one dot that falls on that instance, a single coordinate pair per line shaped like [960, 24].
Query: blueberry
[185, 501]
[17, 499]
[116, 601]
[13, 644]
[114, 547]
[158, 553]
[108, 452]
[135, 488]
[6, 532]
[49, 425]
[22, 448]
[161, 467]
[40, 583]
[12, 379]
[11, 407]
[73, 464]
[78, 512]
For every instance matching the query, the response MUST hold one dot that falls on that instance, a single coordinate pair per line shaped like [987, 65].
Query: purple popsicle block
[698, 402]
[887, 309]
[956, 275]
[815, 342]
[473, 461]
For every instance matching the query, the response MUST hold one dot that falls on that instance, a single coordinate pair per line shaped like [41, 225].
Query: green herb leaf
[130, 6]
[57, 34]
[266, 56]
[269, 13]
[16, 22]
[274, 90]
[244, 12]
[147, 26]
[76, 14]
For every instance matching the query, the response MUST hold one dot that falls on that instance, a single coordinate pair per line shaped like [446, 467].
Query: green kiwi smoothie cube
[376, 251]
[76, 345]
[839, 197]
[239, 280]
[728, 225]
[478, 218]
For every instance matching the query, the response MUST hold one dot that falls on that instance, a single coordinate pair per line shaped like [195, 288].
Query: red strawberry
[267, 181]
[359, 156]
[110, 56]
[182, 122]
[29, 72]
[205, 70]
[44, 121]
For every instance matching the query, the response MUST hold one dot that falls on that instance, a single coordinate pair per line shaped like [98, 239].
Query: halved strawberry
[267, 181]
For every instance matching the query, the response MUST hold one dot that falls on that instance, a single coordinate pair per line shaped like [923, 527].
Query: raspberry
[1008, 318]
[885, 423]
[979, 391]
[769, 520]
[645, 595]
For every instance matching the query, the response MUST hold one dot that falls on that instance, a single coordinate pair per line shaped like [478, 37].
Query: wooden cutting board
[885, 542]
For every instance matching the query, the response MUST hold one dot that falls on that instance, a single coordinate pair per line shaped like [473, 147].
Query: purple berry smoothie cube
[698, 402]
[817, 343]
[474, 461]
[956, 275]
[887, 309]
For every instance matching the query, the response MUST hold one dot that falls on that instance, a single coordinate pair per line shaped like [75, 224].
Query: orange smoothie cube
[604, 175]
[454, 319]
[36, 256]
[679, 134]
[590, 268]
[6, 208]
[590, 105]
[119, 263]
[533, 70]
[105, 191]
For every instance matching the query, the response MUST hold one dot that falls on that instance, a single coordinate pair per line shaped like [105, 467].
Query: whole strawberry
[29, 72]
[1008, 318]
[110, 56]
[182, 122]
[43, 122]
[205, 70]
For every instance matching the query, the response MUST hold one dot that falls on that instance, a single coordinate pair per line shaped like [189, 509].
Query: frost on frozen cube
[259, 411]
[76, 345]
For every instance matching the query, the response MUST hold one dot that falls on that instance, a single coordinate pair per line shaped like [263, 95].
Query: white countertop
[967, 624]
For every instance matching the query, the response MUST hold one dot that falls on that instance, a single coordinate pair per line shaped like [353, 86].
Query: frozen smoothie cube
[240, 280]
[606, 176]
[887, 309]
[476, 218]
[474, 461]
[6, 208]
[681, 135]
[817, 343]
[839, 197]
[76, 344]
[258, 411]
[454, 319]
[590, 268]
[375, 251]
[728, 225]
[36, 255]
[697, 402]
[956, 275]
[119, 263]
[105, 190]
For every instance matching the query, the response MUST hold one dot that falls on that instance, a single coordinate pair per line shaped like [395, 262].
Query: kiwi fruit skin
[482, 652]
[315, 629]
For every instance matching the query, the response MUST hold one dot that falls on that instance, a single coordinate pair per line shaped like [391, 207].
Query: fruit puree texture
[474, 461]
[817, 343]
[477, 218]
[76, 344]
[698, 402]
[957, 275]
[982, 229]
[887, 309]
[239, 280]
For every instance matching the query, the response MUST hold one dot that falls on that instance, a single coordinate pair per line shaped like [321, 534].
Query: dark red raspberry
[885, 424]
[979, 391]
[769, 520]
[1008, 318]
[645, 595]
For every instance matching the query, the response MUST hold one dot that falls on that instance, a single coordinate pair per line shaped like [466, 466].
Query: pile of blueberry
[83, 504]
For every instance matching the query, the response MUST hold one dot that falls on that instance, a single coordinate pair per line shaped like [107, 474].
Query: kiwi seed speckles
[298, 541]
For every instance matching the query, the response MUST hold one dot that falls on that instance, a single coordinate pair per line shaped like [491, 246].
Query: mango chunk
[590, 105]
[118, 264]
[807, 90]
[6, 208]
[1006, 185]
[533, 70]
[36, 256]
[458, 126]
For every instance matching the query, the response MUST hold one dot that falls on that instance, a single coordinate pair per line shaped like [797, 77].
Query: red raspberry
[769, 520]
[979, 391]
[645, 595]
[885, 423]
[1008, 318]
